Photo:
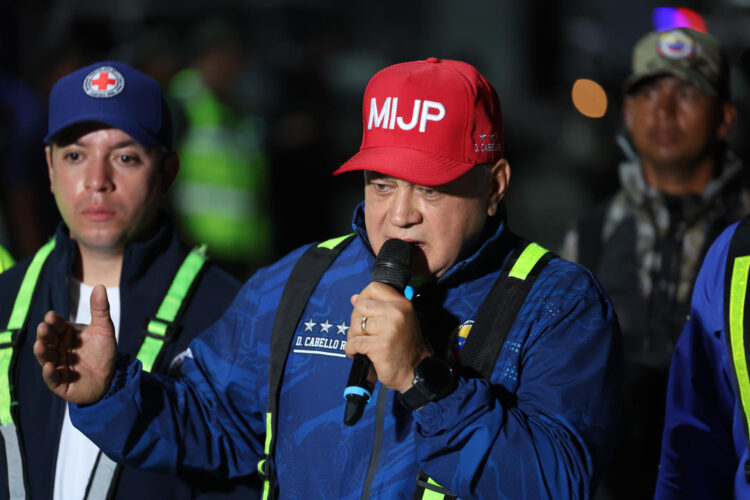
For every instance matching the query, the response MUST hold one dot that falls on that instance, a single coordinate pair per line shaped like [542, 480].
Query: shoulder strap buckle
[428, 488]
[160, 329]
[265, 467]
[9, 338]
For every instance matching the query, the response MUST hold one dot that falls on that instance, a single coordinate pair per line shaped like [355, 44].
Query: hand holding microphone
[392, 267]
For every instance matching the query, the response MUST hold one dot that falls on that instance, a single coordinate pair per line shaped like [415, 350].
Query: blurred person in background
[221, 194]
[680, 186]
[25, 205]
[110, 164]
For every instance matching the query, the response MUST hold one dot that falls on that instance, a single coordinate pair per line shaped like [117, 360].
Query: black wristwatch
[434, 378]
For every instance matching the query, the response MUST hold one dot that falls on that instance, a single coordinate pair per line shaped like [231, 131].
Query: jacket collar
[635, 187]
[139, 259]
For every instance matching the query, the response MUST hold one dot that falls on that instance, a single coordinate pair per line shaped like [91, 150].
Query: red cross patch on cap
[103, 82]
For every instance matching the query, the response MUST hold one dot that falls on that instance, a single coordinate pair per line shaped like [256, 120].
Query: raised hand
[77, 360]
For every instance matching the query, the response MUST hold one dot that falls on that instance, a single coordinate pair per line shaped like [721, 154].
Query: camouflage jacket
[646, 247]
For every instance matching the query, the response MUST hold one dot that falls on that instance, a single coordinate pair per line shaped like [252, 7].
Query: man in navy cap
[110, 163]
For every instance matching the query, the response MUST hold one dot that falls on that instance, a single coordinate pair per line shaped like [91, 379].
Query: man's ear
[48, 157]
[729, 115]
[170, 167]
[499, 179]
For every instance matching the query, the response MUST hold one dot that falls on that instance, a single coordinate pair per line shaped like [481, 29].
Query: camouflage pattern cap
[685, 53]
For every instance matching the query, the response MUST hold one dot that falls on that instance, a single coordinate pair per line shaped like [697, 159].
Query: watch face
[437, 375]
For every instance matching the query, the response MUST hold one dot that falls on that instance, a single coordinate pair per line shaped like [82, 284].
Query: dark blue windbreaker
[540, 428]
[703, 446]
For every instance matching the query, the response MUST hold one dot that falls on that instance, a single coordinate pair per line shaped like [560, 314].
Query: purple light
[667, 18]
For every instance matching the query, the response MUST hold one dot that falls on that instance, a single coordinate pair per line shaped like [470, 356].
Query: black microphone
[392, 267]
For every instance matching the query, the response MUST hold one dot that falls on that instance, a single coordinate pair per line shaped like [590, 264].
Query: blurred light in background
[589, 98]
[667, 18]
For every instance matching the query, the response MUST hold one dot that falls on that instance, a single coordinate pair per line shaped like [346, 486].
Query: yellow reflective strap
[267, 448]
[269, 432]
[170, 307]
[181, 283]
[333, 242]
[23, 299]
[527, 260]
[149, 351]
[738, 289]
[432, 495]
[6, 259]
[18, 317]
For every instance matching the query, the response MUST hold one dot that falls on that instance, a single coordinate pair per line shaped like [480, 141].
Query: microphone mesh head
[393, 264]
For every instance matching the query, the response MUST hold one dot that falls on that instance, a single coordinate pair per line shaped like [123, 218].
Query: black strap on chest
[302, 281]
[478, 357]
[493, 323]
[499, 310]
[737, 322]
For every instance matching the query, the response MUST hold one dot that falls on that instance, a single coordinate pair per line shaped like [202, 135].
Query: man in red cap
[495, 371]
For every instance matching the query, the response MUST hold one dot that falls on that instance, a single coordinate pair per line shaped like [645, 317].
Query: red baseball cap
[428, 122]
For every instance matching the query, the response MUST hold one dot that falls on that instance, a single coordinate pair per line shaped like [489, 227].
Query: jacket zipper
[377, 444]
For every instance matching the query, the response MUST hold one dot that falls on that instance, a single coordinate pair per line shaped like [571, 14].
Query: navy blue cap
[114, 94]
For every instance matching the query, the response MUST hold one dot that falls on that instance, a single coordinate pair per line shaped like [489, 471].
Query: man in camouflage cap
[687, 54]
[679, 187]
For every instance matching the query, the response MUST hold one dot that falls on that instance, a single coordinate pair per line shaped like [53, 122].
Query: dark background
[306, 65]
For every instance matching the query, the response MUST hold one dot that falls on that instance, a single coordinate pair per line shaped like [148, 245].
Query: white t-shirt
[77, 455]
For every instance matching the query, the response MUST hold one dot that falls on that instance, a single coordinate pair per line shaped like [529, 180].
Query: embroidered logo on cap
[103, 82]
[387, 117]
[675, 45]
[488, 143]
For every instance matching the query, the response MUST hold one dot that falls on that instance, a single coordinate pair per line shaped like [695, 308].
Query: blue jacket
[703, 446]
[540, 428]
[147, 271]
